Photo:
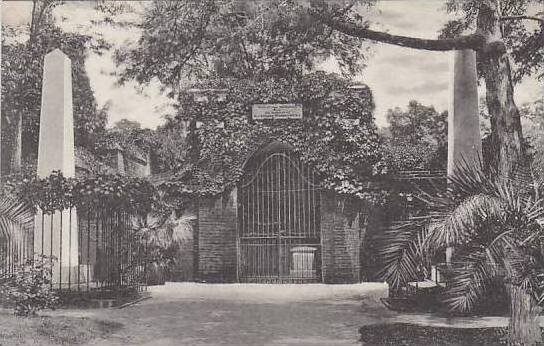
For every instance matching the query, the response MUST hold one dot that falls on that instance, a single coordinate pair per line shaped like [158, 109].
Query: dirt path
[199, 314]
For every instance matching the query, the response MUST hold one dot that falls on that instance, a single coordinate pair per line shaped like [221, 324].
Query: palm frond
[459, 225]
[537, 166]
[470, 179]
[400, 249]
[495, 223]
[182, 228]
[499, 252]
[523, 179]
[523, 269]
[534, 210]
[163, 231]
[148, 228]
[469, 279]
[15, 218]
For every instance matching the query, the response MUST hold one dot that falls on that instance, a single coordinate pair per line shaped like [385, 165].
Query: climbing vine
[135, 142]
[56, 192]
[336, 135]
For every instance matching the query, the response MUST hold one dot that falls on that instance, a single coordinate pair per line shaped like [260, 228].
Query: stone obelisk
[464, 140]
[57, 234]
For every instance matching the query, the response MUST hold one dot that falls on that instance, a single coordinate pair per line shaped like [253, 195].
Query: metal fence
[90, 250]
[15, 249]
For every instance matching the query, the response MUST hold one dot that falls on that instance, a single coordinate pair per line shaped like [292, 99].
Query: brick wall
[184, 267]
[217, 236]
[341, 240]
[217, 255]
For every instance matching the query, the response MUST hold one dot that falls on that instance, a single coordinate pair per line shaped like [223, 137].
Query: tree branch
[474, 41]
[505, 18]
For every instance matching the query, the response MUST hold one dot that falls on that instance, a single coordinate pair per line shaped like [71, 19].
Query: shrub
[28, 289]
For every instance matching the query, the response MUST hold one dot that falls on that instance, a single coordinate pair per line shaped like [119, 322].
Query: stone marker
[303, 265]
[464, 140]
[56, 152]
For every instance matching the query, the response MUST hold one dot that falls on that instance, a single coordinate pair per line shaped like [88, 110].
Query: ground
[199, 314]
[237, 314]
[51, 330]
[410, 334]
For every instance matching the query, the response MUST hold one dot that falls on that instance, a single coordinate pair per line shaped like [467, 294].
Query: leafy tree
[498, 27]
[533, 114]
[167, 145]
[125, 124]
[417, 138]
[234, 39]
[22, 69]
[171, 145]
[134, 141]
[257, 43]
[418, 123]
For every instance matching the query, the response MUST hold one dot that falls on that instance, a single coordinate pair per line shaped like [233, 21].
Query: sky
[395, 75]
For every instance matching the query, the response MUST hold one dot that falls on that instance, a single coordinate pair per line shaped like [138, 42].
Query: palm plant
[495, 226]
[160, 234]
[164, 231]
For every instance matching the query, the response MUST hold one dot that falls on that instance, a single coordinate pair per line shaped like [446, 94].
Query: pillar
[57, 234]
[464, 140]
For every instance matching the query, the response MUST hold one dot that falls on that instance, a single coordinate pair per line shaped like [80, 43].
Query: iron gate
[279, 224]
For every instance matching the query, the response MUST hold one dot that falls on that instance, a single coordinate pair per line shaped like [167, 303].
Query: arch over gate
[279, 233]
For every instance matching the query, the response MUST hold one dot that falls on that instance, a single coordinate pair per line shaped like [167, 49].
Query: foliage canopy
[234, 39]
[417, 138]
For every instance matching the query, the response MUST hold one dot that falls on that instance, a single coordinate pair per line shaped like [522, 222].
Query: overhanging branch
[539, 19]
[474, 41]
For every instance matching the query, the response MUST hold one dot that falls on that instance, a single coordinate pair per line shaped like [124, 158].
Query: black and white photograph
[272, 172]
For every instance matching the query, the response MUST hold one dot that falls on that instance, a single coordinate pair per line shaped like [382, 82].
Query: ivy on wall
[337, 134]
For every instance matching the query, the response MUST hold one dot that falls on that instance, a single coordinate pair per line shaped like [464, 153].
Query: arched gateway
[279, 226]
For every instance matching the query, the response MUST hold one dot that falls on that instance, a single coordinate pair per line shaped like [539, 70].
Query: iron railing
[15, 249]
[90, 250]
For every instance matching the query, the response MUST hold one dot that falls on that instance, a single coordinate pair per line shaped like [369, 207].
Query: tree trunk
[506, 134]
[524, 328]
[16, 148]
[506, 138]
